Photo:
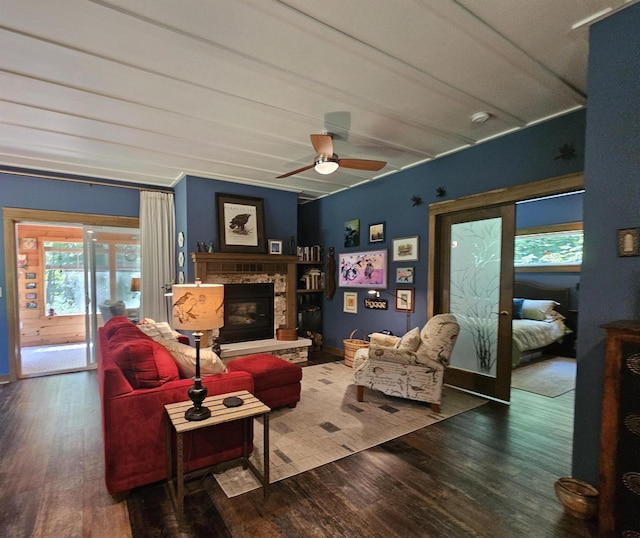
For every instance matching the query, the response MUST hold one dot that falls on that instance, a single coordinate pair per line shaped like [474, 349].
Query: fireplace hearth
[248, 312]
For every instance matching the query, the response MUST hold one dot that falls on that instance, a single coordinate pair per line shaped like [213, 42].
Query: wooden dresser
[619, 510]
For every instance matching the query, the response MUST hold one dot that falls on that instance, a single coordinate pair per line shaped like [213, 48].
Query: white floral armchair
[409, 367]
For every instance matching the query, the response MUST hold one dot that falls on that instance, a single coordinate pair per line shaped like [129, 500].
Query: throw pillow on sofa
[145, 363]
[185, 359]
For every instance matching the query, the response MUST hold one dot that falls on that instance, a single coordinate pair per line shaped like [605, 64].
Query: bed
[538, 319]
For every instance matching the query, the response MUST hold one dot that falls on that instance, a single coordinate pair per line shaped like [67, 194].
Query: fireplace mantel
[207, 265]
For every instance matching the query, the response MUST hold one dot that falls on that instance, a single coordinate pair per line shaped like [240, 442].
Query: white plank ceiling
[146, 91]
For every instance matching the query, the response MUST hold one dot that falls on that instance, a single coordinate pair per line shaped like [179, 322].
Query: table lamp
[198, 307]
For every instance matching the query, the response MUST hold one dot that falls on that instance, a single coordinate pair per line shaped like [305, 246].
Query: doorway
[496, 383]
[53, 286]
[476, 269]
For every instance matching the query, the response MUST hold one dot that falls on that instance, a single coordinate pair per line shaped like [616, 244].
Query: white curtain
[157, 244]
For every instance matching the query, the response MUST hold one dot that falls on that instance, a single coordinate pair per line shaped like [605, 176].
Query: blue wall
[610, 286]
[196, 213]
[522, 157]
[49, 194]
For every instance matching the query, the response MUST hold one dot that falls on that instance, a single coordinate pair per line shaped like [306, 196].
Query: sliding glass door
[112, 278]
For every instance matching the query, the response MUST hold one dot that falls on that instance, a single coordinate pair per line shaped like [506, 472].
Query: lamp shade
[198, 307]
[135, 284]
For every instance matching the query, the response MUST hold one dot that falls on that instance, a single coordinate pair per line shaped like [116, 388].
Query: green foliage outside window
[64, 275]
[548, 249]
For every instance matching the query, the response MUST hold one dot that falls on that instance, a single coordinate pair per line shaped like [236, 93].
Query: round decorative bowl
[579, 499]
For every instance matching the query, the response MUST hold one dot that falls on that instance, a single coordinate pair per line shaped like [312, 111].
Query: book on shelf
[313, 279]
[310, 253]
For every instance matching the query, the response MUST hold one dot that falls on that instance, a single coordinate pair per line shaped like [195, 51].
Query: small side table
[251, 408]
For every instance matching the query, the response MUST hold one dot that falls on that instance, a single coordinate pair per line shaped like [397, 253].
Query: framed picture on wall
[405, 249]
[275, 246]
[404, 275]
[350, 302]
[240, 223]
[404, 299]
[376, 232]
[363, 269]
[352, 233]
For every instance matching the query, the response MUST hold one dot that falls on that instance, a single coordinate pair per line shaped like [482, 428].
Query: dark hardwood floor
[488, 472]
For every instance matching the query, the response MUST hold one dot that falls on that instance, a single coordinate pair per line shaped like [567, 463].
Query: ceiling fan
[327, 162]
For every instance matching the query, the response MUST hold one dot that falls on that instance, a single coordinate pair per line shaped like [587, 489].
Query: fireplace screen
[248, 313]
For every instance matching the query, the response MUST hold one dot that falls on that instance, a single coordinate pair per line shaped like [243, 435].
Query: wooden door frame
[12, 216]
[536, 189]
[498, 385]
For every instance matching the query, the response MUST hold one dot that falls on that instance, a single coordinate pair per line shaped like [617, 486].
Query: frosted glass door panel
[475, 293]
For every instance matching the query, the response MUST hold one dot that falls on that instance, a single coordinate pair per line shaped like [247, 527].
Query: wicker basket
[578, 498]
[351, 345]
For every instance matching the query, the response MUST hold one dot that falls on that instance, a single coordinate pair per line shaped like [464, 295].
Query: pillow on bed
[538, 310]
[517, 308]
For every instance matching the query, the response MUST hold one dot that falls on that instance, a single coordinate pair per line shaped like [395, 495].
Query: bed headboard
[533, 290]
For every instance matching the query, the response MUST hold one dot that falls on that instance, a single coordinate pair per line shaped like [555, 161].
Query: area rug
[551, 378]
[45, 359]
[329, 423]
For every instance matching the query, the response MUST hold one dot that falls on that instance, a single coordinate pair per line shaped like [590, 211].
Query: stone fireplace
[278, 270]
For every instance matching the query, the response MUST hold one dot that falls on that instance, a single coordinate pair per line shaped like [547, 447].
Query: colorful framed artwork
[363, 269]
[32, 305]
[240, 224]
[404, 275]
[376, 232]
[404, 299]
[405, 249]
[32, 295]
[352, 233]
[30, 276]
[629, 242]
[30, 285]
[350, 302]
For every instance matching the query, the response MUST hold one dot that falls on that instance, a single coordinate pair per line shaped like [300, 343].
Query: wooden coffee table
[250, 409]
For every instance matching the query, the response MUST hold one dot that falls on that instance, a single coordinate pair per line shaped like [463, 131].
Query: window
[64, 277]
[549, 248]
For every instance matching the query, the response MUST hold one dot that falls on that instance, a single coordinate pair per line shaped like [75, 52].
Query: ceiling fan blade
[362, 164]
[295, 171]
[323, 144]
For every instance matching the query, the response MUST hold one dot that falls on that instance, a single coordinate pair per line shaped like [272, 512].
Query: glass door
[112, 278]
[476, 281]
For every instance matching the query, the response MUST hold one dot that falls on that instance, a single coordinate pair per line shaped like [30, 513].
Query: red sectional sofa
[137, 377]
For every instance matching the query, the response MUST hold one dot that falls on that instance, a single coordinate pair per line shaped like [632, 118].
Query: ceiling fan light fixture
[325, 165]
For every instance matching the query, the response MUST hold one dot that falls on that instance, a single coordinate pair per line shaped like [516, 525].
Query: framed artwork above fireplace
[240, 224]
